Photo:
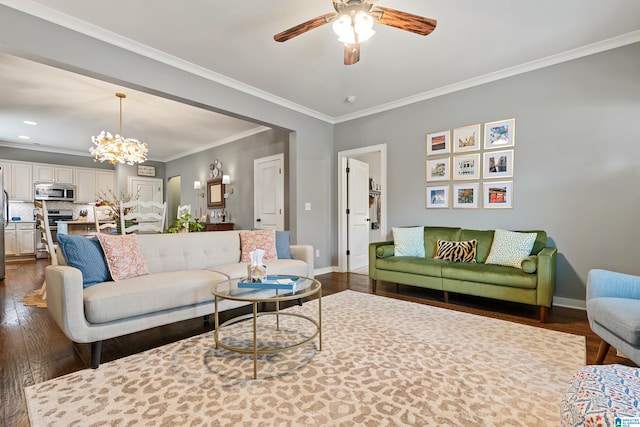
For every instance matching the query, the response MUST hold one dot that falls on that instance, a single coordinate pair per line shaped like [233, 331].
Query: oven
[56, 215]
[50, 191]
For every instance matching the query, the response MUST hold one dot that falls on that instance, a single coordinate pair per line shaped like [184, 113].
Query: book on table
[271, 282]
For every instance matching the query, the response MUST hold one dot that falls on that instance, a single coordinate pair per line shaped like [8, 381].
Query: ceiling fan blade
[304, 27]
[351, 53]
[404, 21]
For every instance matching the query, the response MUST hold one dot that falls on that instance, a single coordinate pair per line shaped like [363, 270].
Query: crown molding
[52, 15]
[608, 44]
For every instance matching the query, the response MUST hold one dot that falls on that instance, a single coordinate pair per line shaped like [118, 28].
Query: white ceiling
[474, 42]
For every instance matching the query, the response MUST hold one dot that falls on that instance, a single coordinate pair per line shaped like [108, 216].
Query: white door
[268, 192]
[357, 214]
[148, 189]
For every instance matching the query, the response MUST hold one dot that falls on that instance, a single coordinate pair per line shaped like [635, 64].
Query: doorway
[268, 194]
[376, 157]
[173, 196]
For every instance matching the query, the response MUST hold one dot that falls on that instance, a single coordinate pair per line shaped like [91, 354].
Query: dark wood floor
[33, 349]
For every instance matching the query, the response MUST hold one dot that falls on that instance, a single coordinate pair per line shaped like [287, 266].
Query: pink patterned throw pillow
[124, 258]
[250, 240]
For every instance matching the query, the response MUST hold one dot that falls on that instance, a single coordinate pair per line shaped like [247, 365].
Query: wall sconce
[226, 180]
[198, 186]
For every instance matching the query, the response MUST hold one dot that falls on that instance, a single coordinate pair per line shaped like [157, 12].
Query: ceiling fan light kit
[353, 23]
[117, 149]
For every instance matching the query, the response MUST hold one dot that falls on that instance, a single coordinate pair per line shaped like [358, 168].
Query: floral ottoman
[602, 395]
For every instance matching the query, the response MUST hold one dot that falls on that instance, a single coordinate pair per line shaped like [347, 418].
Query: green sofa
[479, 279]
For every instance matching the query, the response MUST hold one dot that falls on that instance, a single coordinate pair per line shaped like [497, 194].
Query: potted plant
[182, 222]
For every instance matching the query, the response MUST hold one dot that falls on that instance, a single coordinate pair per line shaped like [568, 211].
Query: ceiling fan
[353, 22]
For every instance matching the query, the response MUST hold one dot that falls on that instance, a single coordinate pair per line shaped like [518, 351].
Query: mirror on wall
[215, 193]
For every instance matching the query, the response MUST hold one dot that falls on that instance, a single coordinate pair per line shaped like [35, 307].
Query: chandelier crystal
[117, 149]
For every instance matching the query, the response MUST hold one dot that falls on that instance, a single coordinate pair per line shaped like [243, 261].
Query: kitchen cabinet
[18, 180]
[19, 239]
[51, 173]
[91, 182]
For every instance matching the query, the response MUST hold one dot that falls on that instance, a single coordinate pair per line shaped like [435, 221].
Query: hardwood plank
[33, 349]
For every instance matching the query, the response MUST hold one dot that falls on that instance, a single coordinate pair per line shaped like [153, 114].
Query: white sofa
[183, 270]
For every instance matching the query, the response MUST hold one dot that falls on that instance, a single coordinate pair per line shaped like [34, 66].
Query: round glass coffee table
[278, 289]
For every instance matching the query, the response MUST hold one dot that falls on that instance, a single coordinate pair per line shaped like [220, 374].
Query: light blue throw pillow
[86, 255]
[408, 241]
[282, 244]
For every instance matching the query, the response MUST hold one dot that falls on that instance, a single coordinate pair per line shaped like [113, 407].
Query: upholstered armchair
[613, 308]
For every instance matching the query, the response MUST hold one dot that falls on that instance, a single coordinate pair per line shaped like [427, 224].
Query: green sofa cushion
[414, 265]
[385, 251]
[484, 238]
[432, 234]
[493, 274]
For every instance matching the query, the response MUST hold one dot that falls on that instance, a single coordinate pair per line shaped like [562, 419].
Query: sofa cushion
[384, 251]
[408, 241]
[86, 255]
[413, 265]
[541, 240]
[456, 251]
[432, 234]
[530, 264]
[124, 258]
[492, 274]
[110, 301]
[283, 249]
[622, 317]
[250, 240]
[510, 247]
[484, 238]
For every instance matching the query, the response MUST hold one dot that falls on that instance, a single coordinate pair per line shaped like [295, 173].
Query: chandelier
[117, 149]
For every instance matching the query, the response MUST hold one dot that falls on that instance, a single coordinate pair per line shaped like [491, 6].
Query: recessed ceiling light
[24, 137]
[30, 122]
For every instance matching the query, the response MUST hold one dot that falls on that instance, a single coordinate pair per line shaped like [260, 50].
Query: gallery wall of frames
[464, 173]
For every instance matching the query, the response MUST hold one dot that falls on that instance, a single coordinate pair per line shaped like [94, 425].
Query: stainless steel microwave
[53, 191]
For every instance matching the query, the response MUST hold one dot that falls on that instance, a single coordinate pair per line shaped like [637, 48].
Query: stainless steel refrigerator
[4, 217]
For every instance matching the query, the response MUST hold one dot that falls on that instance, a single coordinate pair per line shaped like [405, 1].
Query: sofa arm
[546, 276]
[373, 254]
[304, 253]
[65, 301]
[604, 283]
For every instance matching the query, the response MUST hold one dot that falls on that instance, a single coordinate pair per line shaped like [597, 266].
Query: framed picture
[144, 170]
[500, 134]
[466, 139]
[466, 196]
[438, 170]
[466, 167]
[498, 194]
[438, 196]
[215, 193]
[498, 164]
[438, 143]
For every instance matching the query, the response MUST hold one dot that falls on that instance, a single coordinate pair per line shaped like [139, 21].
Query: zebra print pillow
[456, 251]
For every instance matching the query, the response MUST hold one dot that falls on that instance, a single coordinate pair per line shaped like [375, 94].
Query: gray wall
[237, 162]
[577, 150]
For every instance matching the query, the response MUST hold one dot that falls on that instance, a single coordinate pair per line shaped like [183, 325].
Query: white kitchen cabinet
[21, 182]
[6, 175]
[26, 236]
[10, 242]
[92, 182]
[18, 180]
[19, 238]
[52, 173]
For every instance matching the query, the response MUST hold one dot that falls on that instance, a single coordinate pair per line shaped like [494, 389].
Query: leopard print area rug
[422, 366]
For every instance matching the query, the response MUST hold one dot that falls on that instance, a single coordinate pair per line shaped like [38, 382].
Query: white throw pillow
[408, 241]
[510, 248]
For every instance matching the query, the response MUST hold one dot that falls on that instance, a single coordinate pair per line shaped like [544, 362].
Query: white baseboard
[578, 304]
[325, 270]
